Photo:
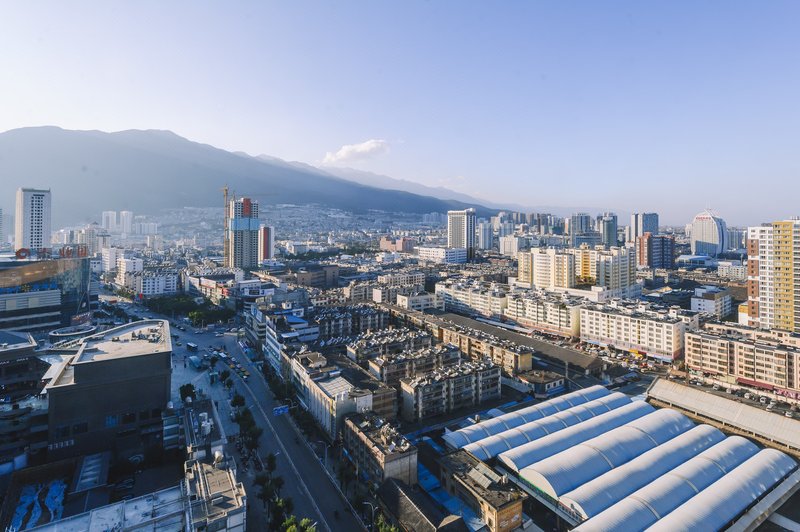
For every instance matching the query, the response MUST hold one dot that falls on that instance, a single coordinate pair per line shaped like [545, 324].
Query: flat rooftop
[138, 338]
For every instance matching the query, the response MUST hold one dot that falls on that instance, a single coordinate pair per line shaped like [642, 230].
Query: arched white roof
[525, 455]
[577, 465]
[717, 505]
[596, 495]
[657, 499]
[462, 437]
[492, 446]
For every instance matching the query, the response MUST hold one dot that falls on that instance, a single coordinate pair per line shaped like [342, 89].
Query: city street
[311, 490]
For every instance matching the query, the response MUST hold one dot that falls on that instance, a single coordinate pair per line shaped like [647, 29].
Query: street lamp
[372, 522]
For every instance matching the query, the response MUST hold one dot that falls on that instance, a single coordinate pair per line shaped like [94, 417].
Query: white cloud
[354, 152]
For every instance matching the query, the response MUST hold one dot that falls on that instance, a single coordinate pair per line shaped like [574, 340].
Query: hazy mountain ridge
[148, 170]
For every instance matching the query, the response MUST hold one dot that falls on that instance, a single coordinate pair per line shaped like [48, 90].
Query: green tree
[213, 361]
[382, 526]
[238, 399]
[271, 464]
[228, 384]
[224, 375]
[187, 390]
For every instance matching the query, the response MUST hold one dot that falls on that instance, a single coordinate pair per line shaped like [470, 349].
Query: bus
[191, 347]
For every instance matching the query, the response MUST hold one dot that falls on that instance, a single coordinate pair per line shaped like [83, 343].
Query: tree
[271, 464]
[224, 375]
[213, 362]
[277, 484]
[187, 390]
[238, 400]
[382, 526]
[228, 384]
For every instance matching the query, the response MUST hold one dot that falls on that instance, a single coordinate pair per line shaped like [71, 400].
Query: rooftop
[381, 434]
[495, 489]
[138, 338]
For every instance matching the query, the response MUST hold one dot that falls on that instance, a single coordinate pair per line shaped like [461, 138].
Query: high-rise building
[32, 221]
[656, 251]
[243, 234]
[580, 223]
[709, 234]
[266, 243]
[109, 221]
[608, 229]
[125, 222]
[485, 235]
[641, 223]
[461, 231]
[2, 229]
[773, 290]
[550, 269]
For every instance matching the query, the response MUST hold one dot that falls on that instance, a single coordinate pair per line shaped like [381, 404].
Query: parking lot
[758, 399]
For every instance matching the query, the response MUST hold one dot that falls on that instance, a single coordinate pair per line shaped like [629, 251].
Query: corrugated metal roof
[645, 506]
[525, 455]
[772, 427]
[714, 507]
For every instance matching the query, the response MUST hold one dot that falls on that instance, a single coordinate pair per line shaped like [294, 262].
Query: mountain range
[146, 171]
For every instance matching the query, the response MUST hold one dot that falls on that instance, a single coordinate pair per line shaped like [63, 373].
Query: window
[62, 431]
[128, 417]
[112, 421]
[80, 428]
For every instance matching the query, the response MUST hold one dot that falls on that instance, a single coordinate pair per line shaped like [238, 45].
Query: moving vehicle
[191, 347]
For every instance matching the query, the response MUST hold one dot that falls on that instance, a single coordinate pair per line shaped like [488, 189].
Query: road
[313, 493]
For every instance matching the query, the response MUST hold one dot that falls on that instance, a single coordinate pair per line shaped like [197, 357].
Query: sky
[632, 106]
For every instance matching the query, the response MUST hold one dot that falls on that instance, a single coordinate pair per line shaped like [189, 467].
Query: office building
[442, 255]
[579, 224]
[641, 223]
[461, 231]
[655, 251]
[485, 235]
[45, 294]
[125, 222]
[111, 392]
[448, 389]
[607, 227]
[243, 234]
[379, 450]
[773, 289]
[32, 220]
[109, 221]
[266, 243]
[709, 234]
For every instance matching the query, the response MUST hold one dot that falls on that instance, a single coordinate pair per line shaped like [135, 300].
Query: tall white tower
[32, 223]
[461, 231]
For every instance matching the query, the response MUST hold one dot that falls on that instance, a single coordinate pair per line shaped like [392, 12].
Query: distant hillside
[146, 171]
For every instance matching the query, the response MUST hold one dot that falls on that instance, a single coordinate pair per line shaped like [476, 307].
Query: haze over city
[621, 106]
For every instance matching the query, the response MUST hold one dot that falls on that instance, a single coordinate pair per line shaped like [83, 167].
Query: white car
[788, 413]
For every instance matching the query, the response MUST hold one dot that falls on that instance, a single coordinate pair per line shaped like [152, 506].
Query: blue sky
[667, 106]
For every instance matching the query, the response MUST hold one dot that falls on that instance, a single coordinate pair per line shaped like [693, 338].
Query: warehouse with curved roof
[490, 447]
[462, 437]
[530, 453]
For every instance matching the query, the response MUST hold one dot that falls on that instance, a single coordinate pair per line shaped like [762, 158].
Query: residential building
[611, 269]
[389, 368]
[494, 499]
[773, 289]
[512, 244]
[153, 283]
[387, 342]
[32, 219]
[126, 223]
[543, 384]
[114, 388]
[125, 269]
[713, 301]
[546, 311]
[485, 236]
[379, 450]
[109, 221]
[461, 231]
[449, 389]
[477, 345]
[640, 329]
[442, 255]
[403, 278]
[734, 270]
[389, 294]
[549, 268]
[266, 243]
[471, 297]
[242, 237]
[709, 234]
[743, 359]
[420, 300]
[656, 251]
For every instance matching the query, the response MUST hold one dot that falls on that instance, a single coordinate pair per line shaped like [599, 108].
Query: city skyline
[515, 107]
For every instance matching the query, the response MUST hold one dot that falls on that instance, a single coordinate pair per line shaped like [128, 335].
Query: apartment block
[655, 251]
[471, 297]
[391, 368]
[739, 359]
[449, 389]
[387, 342]
[402, 278]
[378, 449]
[713, 301]
[546, 312]
[420, 301]
[442, 255]
[638, 328]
